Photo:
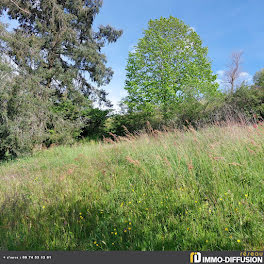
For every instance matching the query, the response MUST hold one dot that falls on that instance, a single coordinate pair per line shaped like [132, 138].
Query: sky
[224, 26]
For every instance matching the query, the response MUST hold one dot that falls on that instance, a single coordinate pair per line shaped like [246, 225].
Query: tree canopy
[56, 41]
[259, 78]
[168, 66]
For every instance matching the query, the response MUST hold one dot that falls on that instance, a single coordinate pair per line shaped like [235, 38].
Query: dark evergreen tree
[56, 41]
[55, 68]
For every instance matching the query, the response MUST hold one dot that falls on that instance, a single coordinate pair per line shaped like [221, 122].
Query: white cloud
[245, 76]
[219, 81]
[220, 73]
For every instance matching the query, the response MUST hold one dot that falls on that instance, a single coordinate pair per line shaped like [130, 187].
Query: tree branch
[26, 11]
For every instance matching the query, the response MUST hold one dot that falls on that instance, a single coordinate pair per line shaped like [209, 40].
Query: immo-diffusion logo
[196, 257]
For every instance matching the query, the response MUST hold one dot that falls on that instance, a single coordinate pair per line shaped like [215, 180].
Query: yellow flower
[221, 199]
[129, 202]
[121, 205]
[97, 245]
[226, 229]
[206, 241]
[188, 228]
[238, 241]
[246, 195]
[129, 223]
[95, 242]
[80, 213]
[129, 228]
[113, 243]
[115, 233]
[133, 190]
[112, 233]
[43, 206]
[125, 230]
[139, 201]
[196, 202]
[230, 236]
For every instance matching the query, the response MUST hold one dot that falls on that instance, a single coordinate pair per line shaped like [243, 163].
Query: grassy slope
[171, 191]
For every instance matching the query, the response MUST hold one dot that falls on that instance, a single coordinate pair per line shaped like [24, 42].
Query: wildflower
[129, 228]
[190, 166]
[112, 233]
[113, 243]
[125, 230]
[43, 206]
[196, 202]
[231, 237]
[129, 223]
[206, 241]
[188, 228]
[133, 190]
[95, 242]
[115, 233]
[97, 245]
[226, 229]
[129, 202]
[246, 195]
[121, 205]
[238, 241]
[80, 213]
[144, 194]
[221, 199]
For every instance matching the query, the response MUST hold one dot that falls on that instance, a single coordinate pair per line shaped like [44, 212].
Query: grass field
[162, 191]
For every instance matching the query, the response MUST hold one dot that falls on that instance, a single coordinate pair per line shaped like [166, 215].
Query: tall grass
[170, 190]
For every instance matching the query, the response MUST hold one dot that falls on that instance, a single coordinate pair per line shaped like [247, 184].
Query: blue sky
[224, 26]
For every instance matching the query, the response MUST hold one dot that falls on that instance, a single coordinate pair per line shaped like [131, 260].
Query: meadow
[158, 190]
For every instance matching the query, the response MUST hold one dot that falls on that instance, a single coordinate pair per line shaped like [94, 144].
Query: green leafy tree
[259, 78]
[169, 66]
